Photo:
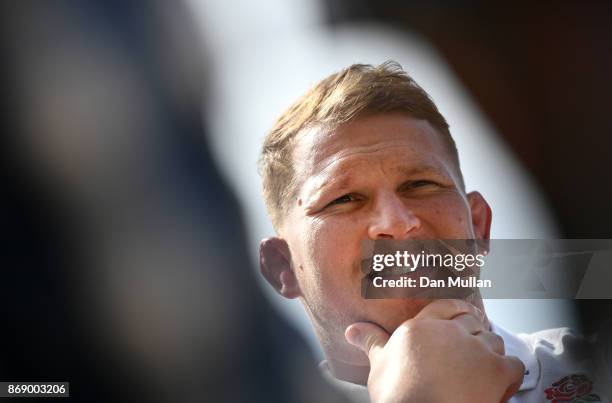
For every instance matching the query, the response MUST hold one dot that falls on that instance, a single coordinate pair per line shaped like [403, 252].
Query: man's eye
[417, 184]
[342, 200]
[421, 183]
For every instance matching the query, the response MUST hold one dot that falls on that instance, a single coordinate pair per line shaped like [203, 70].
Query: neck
[349, 372]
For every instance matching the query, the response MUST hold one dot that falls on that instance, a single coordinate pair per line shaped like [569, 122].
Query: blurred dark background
[124, 263]
[124, 257]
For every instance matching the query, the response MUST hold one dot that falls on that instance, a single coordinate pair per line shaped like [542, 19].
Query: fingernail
[352, 334]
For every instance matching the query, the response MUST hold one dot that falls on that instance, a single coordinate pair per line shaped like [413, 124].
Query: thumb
[368, 337]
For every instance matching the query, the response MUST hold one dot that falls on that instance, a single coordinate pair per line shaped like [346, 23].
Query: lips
[397, 272]
[394, 273]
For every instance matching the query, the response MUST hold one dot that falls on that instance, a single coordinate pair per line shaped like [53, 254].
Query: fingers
[511, 391]
[516, 370]
[475, 327]
[449, 309]
[368, 337]
[494, 341]
[470, 324]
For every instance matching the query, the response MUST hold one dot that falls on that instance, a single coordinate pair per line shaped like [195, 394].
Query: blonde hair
[354, 92]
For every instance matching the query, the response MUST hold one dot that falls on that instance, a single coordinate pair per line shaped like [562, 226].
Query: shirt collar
[520, 348]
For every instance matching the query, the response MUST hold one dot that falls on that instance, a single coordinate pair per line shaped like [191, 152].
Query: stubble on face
[376, 169]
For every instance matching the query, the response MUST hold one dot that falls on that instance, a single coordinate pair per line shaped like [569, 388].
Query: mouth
[396, 273]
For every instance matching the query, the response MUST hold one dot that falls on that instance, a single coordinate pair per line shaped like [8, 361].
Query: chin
[391, 313]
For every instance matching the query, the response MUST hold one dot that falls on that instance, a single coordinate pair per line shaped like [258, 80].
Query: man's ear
[275, 265]
[481, 215]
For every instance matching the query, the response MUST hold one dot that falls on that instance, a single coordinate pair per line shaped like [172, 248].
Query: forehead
[403, 142]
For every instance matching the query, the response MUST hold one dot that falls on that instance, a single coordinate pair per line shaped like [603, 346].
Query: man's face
[385, 176]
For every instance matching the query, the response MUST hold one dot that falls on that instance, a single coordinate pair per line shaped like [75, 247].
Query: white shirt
[559, 364]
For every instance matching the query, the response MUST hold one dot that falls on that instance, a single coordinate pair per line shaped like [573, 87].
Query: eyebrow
[338, 183]
[421, 169]
[345, 180]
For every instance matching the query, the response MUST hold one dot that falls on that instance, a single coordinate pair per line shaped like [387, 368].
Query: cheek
[448, 216]
[333, 251]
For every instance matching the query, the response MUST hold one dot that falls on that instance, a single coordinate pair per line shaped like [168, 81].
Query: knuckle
[405, 328]
[410, 326]
[415, 327]
[451, 305]
[445, 305]
[494, 342]
[509, 368]
[451, 327]
[515, 367]
[499, 367]
[499, 342]
[498, 339]
[459, 305]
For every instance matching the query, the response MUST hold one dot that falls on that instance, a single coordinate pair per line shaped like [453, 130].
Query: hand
[444, 354]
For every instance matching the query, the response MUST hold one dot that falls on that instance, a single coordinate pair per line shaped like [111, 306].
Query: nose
[392, 219]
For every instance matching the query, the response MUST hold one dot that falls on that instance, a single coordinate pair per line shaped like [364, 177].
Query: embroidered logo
[572, 389]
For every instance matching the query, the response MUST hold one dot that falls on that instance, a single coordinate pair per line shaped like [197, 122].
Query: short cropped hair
[355, 92]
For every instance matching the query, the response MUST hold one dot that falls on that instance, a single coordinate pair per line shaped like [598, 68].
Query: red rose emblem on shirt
[572, 389]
